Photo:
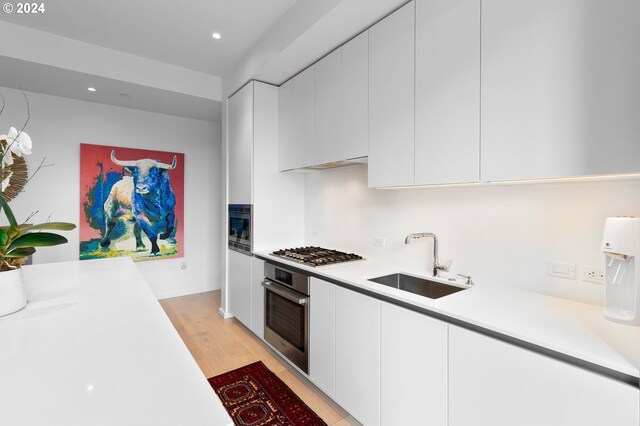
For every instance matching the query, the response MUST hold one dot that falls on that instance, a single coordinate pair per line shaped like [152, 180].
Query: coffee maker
[621, 246]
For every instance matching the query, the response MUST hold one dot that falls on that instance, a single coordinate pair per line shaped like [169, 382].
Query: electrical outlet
[592, 274]
[315, 234]
[183, 265]
[379, 242]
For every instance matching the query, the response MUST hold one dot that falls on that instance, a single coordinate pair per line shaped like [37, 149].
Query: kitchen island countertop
[94, 347]
[576, 330]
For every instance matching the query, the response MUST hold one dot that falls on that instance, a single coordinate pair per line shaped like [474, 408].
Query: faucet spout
[436, 264]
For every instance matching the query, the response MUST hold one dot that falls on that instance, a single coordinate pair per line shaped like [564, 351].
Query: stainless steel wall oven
[286, 322]
[240, 230]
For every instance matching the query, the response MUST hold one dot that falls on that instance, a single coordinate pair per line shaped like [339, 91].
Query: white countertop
[571, 328]
[94, 347]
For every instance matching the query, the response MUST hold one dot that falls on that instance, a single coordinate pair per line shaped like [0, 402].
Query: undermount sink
[416, 285]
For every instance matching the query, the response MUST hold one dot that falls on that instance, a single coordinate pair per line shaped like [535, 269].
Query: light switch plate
[379, 242]
[561, 270]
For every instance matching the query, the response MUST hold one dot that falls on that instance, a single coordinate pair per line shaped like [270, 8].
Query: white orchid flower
[19, 142]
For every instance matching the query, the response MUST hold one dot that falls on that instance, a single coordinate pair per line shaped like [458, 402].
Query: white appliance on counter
[621, 246]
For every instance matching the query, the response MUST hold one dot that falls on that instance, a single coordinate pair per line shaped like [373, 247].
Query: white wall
[502, 235]
[58, 126]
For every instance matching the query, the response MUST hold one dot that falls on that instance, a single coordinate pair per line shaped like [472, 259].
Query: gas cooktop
[316, 256]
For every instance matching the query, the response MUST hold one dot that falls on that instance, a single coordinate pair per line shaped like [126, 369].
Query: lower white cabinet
[239, 279]
[413, 369]
[496, 383]
[257, 297]
[322, 341]
[357, 352]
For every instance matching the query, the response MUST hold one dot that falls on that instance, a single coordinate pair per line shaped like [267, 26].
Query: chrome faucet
[436, 265]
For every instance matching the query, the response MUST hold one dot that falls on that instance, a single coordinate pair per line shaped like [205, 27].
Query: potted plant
[18, 241]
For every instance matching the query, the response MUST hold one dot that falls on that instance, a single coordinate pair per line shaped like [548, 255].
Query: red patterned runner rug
[254, 396]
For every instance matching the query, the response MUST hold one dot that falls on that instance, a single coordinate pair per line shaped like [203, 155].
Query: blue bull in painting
[145, 198]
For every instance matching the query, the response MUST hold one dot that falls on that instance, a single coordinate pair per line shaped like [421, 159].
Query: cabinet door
[322, 337]
[560, 92]
[413, 368]
[358, 355]
[495, 383]
[355, 98]
[257, 297]
[296, 134]
[240, 147]
[328, 108]
[447, 147]
[239, 286]
[391, 99]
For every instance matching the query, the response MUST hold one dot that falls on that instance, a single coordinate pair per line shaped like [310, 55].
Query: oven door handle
[287, 294]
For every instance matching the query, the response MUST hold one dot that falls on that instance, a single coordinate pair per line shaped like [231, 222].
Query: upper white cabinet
[240, 145]
[322, 338]
[357, 374]
[391, 99]
[296, 118]
[560, 92]
[447, 95]
[328, 107]
[354, 141]
[495, 383]
[413, 359]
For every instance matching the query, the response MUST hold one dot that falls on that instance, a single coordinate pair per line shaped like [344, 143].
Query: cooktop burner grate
[316, 256]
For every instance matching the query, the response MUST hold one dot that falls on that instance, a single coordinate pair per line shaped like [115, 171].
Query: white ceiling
[171, 31]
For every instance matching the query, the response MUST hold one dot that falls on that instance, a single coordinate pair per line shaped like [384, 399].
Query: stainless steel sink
[416, 285]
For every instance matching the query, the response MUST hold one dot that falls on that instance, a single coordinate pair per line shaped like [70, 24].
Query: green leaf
[57, 226]
[20, 252]
[7, 211]
[37, 239]
[4, 236]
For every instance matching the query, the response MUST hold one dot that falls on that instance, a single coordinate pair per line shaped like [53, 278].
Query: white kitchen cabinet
[296, 117]
[391, 99]
[357, 378]
[240, 145]
[560, 92]
[328, 121]
[355, 99]
[239, 286]
[447, 95]
[496, 383]
[322, 335]
[413, 368]
[257, 297]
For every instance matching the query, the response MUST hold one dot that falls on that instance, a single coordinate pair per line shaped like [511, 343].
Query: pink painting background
[89, 157]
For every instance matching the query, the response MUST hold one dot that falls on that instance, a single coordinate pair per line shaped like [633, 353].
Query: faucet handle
[448, 265]
[468, 277]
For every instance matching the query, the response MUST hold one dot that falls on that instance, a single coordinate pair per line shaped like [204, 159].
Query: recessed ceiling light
[217, 36]
[91, 89]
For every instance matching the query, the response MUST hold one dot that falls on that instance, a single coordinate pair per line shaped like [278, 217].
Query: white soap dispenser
[621, 246]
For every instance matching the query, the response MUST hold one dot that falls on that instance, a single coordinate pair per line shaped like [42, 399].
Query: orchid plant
[17, 241]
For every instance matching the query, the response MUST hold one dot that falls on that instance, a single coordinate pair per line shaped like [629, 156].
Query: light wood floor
[220, 345]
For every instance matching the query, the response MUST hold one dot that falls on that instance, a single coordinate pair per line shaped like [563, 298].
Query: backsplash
[499, 234]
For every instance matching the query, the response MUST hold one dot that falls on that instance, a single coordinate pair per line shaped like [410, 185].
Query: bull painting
[133, 203]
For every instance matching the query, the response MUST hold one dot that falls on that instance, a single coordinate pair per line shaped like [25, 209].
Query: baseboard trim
[186, 292]
[224, 314]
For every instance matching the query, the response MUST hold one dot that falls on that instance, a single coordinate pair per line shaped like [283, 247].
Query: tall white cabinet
[495, 383]
[391, 99]
[560, 92]
[447, 92]
[354, 75]
[253, 178]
